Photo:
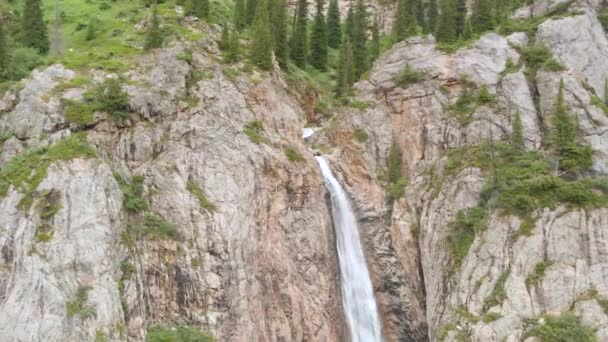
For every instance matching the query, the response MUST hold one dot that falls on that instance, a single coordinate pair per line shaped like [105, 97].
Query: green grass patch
[78, 307]
[253, 129]
[44, 233]
[25, 172]
[75, 82]
[199, 194]
[159, 333]
[358, 104]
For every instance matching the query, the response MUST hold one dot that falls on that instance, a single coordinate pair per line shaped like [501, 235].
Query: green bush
[564, 328]
[78, 306]
[110, 98]
[360, 135]
[293, 155]
[197, 192]
[254, 130]
[396, 183]
[153, 227]
[409, 76]
[133, 199]
[462, 231]
[537, 275]
[78, 112]
[159, 333]
[499, 294]
[22, 61]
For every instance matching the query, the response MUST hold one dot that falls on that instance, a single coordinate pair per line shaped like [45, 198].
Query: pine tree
[346, 71]
[318, 40]
[359, 39]
[278, 20]
[240, 19]
[432, 14]
[154, 37]
[404, 24]
[461, 16]
[517, 135]
[374, 46]
[198, 8]
[571, 156]
[250, 10]
[34, 29]
[3, 51]
[261, 47]
[468, 30]
[232, 52]
[299, 40]
[334, 30]
[420, 18]
[446, 27]
[481, 19]
[91, 29]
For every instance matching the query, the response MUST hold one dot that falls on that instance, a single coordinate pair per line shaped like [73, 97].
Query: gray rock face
[259, 266]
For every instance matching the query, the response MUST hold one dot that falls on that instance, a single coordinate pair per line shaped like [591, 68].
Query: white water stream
[357, 292]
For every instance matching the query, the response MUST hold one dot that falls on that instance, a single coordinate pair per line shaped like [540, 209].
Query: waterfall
[357, 293]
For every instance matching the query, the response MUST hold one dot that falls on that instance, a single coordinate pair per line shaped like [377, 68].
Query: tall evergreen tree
[318, 39]
[278, 21]
[261, 47]
[461, 16]
[374, 46]
[446, 27]
[481, 19]
[198, 8]
[240, 19]
[420, 17]
[404, 24]
[346, 71]
[154, 37]
[334, 29]
[432, 14]
[359, 39]
[572, 157]
[231, 46]
[35, 34]
[517, 135]
[299, 40]
[3, 51]
[250, 11]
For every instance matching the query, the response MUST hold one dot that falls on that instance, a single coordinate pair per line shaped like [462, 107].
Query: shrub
[159, 333]
[197, 192]
[409, 76]
[360, 135]
[78, 112]
[293, 155]
[110, 98]
[498, 294]
[564, 328]
[153, 227]
[595, 100]
[50, 204]
[462, 231]
[484, 97]
[78, 307]
[537, 275]
[254, 130]
[44, 233]
[22, 60]
[358, 104]
[133, 199]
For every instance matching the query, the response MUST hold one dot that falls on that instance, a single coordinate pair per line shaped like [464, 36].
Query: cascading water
[357, 293]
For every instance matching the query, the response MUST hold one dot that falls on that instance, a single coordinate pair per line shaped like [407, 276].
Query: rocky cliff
[205, 208]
